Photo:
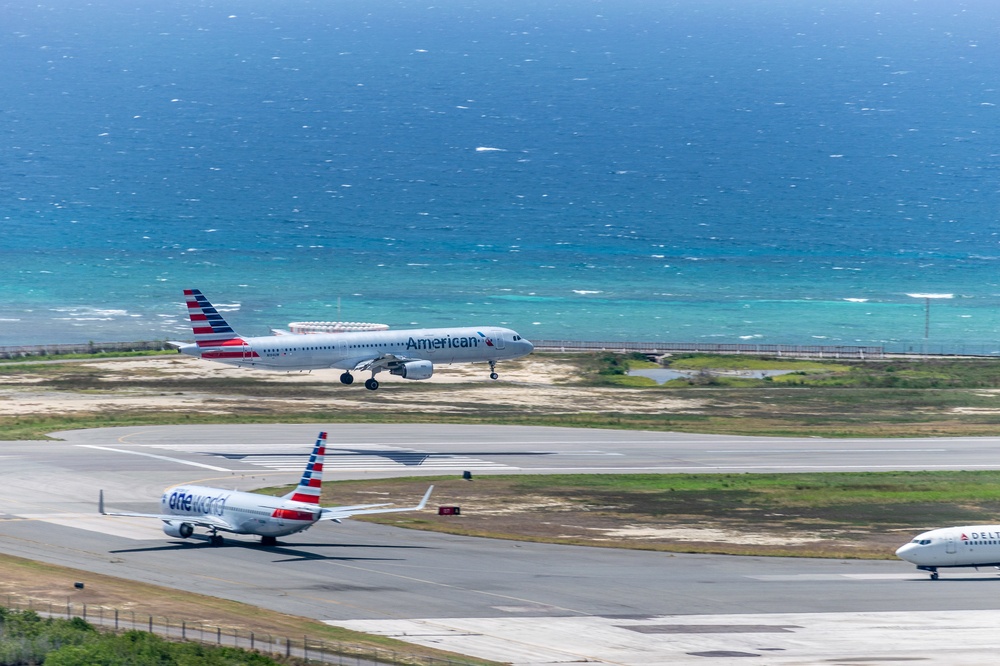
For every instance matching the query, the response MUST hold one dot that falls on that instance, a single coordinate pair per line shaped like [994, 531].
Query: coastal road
[520, 602]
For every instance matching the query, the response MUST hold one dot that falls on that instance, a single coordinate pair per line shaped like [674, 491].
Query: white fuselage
[968, 546]
[248, 513]
[347, 350]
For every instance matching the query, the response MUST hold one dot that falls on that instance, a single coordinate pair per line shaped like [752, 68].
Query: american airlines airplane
[947, 547]
[217, 510]
[410, 354]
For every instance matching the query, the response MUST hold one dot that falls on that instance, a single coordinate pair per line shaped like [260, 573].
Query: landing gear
[931, 570]
[216, 540]
[347, 378]
[934, 575]
[493, 370]
[269, 541]
[371, 384]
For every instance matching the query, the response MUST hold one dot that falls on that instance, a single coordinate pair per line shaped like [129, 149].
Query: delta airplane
[217, 510]
[947, 547]
[410, 354]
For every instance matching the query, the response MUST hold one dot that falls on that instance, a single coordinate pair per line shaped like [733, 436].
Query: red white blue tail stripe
[206, 321]
[212, 333]
[310, 486]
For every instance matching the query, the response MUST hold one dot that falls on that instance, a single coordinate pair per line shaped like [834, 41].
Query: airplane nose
[904, 550]
[530, 346]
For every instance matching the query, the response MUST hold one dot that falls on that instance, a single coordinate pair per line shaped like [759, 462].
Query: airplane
[410, 354]
[218, 510]
[947, 547]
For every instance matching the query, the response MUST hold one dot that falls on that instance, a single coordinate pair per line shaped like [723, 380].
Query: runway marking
[340, 462]
[803, 638]
[136, 529]
[837, 576]
[153, 455]
[380, 458]
[809, 450]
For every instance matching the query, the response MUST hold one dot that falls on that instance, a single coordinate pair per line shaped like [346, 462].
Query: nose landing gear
[493, 370]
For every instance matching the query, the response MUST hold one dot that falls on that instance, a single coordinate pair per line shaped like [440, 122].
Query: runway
[519, 602]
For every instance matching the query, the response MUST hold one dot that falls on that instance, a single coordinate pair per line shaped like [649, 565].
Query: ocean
[772, 171]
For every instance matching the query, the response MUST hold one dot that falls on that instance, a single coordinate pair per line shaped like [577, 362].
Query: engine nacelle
[178, 529]
[414, 370]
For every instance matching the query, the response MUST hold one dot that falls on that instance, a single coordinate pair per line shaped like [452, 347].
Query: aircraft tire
[216, 540]
[371, 384]
[268, 541]
[347, 378]
[494, 375]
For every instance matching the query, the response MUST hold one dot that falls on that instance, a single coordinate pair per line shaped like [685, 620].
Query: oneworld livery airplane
[410, 354]
[218, 510]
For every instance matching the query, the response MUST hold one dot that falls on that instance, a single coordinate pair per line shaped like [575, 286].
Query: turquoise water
[774, 172]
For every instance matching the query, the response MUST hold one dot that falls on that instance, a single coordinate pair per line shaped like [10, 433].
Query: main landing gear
[216, 540]
[269, 541]
[370, 384]
[493, 370]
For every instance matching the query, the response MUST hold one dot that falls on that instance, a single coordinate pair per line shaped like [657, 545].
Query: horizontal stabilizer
[338, 512]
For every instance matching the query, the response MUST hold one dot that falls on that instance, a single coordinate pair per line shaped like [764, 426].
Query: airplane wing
[336, 513]
[382, 362]
[208, 522]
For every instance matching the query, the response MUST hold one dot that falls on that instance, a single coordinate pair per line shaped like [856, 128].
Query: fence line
[304, 647]
[810, 351]
[16, 351]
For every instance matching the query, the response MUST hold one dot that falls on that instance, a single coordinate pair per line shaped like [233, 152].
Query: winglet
[100, 503]
[423, 502]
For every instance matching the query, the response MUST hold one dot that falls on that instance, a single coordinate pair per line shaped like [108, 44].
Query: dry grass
[51, 587]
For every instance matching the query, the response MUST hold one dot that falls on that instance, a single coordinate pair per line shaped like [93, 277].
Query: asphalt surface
[395, 581]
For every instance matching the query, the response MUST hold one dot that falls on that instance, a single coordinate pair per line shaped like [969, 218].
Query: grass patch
[733, 362]
[853, 515]
[24, 579]
[857, 403]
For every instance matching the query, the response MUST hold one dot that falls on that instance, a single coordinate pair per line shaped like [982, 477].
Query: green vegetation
[856, 515]
[887, 398]
[27, 638]
[725, 371]
[47, 585]
[734, 362]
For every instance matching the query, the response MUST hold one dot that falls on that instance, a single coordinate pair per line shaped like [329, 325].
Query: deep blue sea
[773, 171]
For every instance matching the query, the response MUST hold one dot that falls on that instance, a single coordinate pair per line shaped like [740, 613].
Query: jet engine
[178, 529]
[414, 370]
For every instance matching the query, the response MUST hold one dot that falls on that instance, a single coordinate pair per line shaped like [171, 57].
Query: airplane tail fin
[206, 322]
[214, 338]
[311, 485]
